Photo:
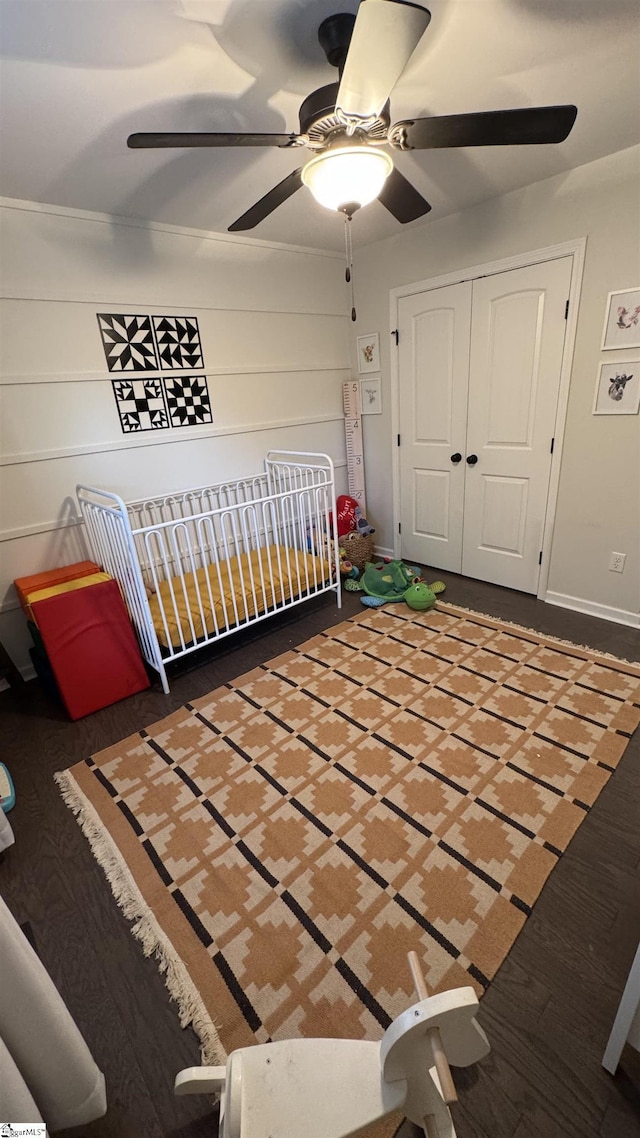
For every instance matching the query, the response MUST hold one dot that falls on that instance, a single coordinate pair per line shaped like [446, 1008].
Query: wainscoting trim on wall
[592, 608]
[107, 376]
[51, 526]
[133, 307]
[9, 606]
[150, 439]
[38, 527]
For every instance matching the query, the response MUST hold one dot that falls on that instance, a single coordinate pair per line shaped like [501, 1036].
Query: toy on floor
[7, 790]
[337, 1088]
[385, 581]
[348, 570]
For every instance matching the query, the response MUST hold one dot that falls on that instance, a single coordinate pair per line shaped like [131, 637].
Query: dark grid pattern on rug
[402, 781]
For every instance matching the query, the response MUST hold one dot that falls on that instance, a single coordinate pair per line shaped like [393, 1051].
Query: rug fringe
[145, 928]
[540, 635]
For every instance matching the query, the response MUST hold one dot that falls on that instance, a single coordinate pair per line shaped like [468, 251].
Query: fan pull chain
[348, 252]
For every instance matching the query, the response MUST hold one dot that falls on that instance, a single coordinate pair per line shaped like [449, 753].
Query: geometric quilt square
[128, 342]
[188, 400]
[140, 404]
[178, 341]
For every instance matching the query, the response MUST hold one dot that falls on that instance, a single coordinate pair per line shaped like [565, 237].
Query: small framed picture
[371, 395]
[368, 353]
[618, 388]
[622, 320]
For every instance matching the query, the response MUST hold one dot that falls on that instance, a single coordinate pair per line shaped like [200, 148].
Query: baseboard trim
[382, 551]
[592, 608]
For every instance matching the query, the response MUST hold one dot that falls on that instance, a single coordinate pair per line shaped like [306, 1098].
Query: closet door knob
[457, 457]
[472, 459]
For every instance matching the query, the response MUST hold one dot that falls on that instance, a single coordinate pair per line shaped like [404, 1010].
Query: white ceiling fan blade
[385, 36]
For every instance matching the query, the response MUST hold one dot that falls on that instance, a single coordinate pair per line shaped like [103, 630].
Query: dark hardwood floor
[548, 1013]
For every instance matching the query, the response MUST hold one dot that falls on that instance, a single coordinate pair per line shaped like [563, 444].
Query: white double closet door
[479, 377]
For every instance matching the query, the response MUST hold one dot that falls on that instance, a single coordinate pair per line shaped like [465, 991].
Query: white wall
[599, 494]
[275, 340]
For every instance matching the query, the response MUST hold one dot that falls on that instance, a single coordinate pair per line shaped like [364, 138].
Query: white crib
[196, 565]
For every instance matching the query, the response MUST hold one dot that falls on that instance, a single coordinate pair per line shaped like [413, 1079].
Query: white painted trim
[382, 551]
[106, 376]
[593, 608]
[575, 288]
[38, 527]
[576, 250]
[163, 227]
[55, 525]
[502, 265]
[27, 672]
[169, 436]
[9, 606]
[133, 307]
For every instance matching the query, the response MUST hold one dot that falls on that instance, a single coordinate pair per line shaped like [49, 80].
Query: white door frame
[576, 250]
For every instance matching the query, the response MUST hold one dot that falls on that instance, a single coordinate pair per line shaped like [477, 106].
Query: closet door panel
[433, 350]
[517, 343]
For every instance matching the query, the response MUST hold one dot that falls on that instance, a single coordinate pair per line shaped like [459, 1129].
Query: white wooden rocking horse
[337, 1088]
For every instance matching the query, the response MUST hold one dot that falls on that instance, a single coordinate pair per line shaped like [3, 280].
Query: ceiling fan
[347, 124]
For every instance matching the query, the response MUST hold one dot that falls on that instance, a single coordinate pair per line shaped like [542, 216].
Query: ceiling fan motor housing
[334, 35]
[318, 118]
[319, 121]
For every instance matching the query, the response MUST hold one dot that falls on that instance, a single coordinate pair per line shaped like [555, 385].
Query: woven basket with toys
[355, 536]
[358, 548]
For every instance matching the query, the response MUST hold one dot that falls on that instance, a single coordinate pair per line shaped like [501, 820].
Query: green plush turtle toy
[385, 581]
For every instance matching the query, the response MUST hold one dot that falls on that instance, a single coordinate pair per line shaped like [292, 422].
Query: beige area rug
[401, 781]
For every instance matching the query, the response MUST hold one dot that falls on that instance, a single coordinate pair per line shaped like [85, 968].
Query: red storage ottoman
[91, 647]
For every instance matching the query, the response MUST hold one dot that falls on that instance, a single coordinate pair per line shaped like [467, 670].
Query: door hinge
[398, 440]
[552, 445]
[566, 310]
[540, 558]
[399, 527]
[397, 335]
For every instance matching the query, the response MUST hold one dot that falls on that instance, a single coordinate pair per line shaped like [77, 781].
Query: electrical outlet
[616, 562]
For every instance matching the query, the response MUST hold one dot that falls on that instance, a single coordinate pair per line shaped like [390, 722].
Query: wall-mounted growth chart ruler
[353, 436]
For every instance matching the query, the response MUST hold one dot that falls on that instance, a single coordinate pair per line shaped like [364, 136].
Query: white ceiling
[78, 76]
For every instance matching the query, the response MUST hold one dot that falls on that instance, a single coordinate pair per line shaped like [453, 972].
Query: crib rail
[196, 565]
[111, 540]
[196, 500]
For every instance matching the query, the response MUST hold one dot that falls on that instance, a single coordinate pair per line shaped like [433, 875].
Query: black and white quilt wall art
[188, 400]
[141, 404]
[128, 342]
[178, 340]
[142, 343]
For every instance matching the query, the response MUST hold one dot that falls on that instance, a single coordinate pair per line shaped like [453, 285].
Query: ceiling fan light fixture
[349, 175]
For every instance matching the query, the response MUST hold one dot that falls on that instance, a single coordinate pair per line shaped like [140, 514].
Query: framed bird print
[622, 320]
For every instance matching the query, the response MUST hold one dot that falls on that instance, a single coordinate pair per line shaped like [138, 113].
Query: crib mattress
[232, 592]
